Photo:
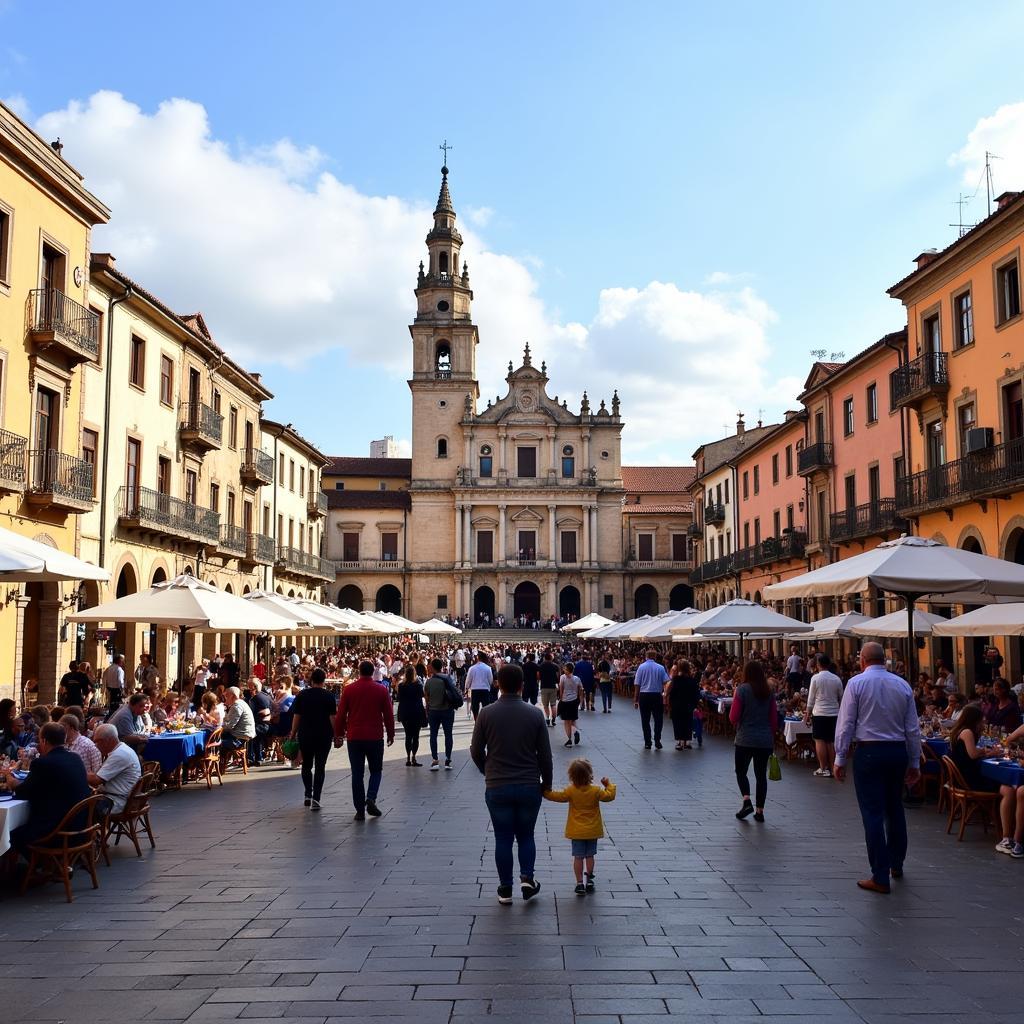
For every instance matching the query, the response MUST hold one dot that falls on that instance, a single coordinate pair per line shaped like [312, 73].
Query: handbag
[290, 749]
[452, 695]
[774, 768]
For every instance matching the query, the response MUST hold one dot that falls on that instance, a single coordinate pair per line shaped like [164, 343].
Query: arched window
[486, 461]
[442, 261]
[442, 448]
[443, 357]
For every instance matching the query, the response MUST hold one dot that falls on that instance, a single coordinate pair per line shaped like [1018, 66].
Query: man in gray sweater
[510, 746]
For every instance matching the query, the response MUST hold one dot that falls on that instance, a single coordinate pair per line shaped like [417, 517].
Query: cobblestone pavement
[252, 908]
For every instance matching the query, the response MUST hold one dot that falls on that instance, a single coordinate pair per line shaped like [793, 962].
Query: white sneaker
[1005, 846]
[823, 773]
[434, 766]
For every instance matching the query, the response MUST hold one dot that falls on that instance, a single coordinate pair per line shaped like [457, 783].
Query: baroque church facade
[514, 507]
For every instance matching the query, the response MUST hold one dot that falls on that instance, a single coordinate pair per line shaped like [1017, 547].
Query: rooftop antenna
[989, 183]
[960, 226]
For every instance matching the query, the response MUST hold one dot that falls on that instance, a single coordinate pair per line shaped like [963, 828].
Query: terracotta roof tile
[657, 479]
[683, 509]
[352, 465]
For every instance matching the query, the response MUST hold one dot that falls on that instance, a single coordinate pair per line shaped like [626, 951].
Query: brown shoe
[872, 886]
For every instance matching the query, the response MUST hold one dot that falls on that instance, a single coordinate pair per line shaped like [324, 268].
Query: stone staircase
[510, 637]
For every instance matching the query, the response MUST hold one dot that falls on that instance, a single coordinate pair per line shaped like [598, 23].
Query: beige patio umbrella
[895, 624]
[992, 620]
[23, 560]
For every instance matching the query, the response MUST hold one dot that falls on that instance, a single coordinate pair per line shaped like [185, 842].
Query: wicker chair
[964, 802]
[211, 758]
[68, 844]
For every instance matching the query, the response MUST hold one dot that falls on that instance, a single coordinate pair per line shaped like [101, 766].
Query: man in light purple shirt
[878, 712]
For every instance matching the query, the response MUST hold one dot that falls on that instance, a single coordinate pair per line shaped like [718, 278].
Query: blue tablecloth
[939, 745]
[1004, 774]
[172, 749]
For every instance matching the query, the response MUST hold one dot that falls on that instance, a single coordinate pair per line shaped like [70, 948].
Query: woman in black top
[313, 712]
[966, 753]
[683, 696]
[411, 713]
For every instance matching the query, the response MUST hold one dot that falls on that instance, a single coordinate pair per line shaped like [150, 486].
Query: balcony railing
[146, 509]
[257, 466]
[656, 564]
[201, 425]
[304, 563]
[714, 569]
[918, 379]
[814, 457]
[771, 550]
[874, 518]
[62, 481]
[984, 474]
[371, 565]
[259, 548]
[695, 530]
[316, 504]
[232, 539]
[442, 375]
[714, 514]
[56, 319]
[12, 461]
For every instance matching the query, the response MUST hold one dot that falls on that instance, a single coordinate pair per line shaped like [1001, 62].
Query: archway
[483, 604]
[645, 600]
[569, 603]
[526, 601]
[681, 597]
[124, 641]
[350, 596]
[389, 599]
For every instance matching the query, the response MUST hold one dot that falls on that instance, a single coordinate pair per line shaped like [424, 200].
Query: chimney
[1004, 200]
[740, 426]
[926, 257]
[256, 377]
[102, 260]
[57, 146]
[791, 414]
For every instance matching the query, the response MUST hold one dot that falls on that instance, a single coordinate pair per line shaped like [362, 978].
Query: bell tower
[444, 340]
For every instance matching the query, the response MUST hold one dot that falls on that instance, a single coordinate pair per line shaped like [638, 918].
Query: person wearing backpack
[442, 699]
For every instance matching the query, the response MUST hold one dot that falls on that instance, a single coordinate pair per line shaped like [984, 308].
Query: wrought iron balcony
[695, 530]
[201, 426]
[57, 321]
[142, 508]
[371, 565]
[985, 474]
[875, 518]
[921, 378]
[772, 549]
[232, 540]
[815, 457]
[60, 481]
[303, 563]
[257, 467]
[714, 569]
[259, 549]
[12, 461]
[714, 514]
[316, 504]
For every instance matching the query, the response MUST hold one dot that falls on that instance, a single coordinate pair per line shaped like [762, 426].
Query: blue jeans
[360, 754]
[514, 811]
[441, 720]
[606, 694]
[878, 774]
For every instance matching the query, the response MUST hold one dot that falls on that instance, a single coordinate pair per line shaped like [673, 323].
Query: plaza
[251, 908]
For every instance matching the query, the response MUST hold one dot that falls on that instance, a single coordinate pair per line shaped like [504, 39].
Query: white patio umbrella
[187, 603]
[400, 620]
[740, 618]
[658, 628]
[382, 625]
[435, 627]
[834, 627]
[339, 623]
[591, 621]
[309, 622]
[911, 567]
[895, 624]
[23, 560]
[622, 630]
[992, 620]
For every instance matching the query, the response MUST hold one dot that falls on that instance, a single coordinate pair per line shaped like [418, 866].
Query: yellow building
[47, 334]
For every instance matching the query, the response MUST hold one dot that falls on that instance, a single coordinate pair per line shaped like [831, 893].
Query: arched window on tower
[442, 261]
[443, 359]
[442, 448]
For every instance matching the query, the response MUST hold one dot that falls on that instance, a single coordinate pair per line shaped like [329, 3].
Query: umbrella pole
[182, 630]
[911, 599]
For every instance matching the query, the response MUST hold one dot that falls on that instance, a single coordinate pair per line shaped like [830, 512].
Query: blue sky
[661, 193]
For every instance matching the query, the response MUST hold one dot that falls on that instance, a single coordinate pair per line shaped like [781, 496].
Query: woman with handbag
[313, 714]
[411, 713]
[755, 715]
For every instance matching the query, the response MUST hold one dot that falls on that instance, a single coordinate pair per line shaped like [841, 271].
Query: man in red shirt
[364, 716]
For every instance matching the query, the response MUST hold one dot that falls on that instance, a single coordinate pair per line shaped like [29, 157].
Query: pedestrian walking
[411, 713]
[511, 748]
[584, 670]
[480, 679]
[683, 697]
[583, 826]
[313, 712]
[364, 717]
[113, 683]
[878, 712]
[530, 678]
[755, 715]
[443, 697]
[794, 671]
[547, 671]
[570, 696]
[649, 696]
[823, 699]
[604, 684]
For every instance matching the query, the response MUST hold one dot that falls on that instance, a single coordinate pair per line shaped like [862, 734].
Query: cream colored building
[48, 339]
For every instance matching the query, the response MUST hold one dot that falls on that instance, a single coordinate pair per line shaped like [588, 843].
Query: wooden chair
[155, 771]
[133, 820]
[964, 802]
[211, 758]
[240, 758]
[68, 844]
[933, 774]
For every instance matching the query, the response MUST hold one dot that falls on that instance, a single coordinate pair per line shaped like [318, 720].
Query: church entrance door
[483, 604]
[526, 601]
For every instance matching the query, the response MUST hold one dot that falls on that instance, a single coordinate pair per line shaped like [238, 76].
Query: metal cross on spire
[444, 147]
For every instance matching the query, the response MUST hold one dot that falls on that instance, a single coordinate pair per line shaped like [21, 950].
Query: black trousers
[759, 755]
[363, 753]
[314, 765]
[652, 705]
[412, 737]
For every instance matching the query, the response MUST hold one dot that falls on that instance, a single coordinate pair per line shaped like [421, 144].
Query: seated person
[120, 769]
[167, 710]
[130, 719]
[211, 711]
[966, 753]
[957, 702]
[1003, 712]
[81, 745]
[1011, 811]
[56, 782]
[239, 725]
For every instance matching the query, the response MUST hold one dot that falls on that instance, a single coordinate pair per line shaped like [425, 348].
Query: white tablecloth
[792, 730]
[724, 704]
[12, 814]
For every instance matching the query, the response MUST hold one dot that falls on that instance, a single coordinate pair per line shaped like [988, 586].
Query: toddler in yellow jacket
[583, 826]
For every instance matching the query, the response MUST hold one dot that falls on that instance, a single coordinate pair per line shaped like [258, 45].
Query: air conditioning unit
[978, 439]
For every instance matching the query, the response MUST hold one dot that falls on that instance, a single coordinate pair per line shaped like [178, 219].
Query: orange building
[960, 385]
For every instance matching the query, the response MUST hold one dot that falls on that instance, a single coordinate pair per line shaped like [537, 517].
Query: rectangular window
[526, 462]
[350, 547]
[233, 427]
[137, 362]
[442, 602]
[90, 446]
[527, 545]
[382, 486]
[775, 468]
[5, 244]
[166, 380]
[231, 508]
[746, 485]
[718, 493]
[216, 401]
[302, 536]
[609, 601]
[874, 485]
[776, 523]
[727, 491]
[215, 497]
[679, 547]
[757, 479]
[339, 485]
[963, 319]
[280, 528]
[850, 486]
[132, 469]
[645, 547]
[871, 399]
[100, 331]
[280, 470]
[568, 547]
[757, 531]
[247, 516]
[931, 336]
[266, 521]
[191, 486]
[898, 471]
[1007, 291]
[847, 416]
[965, 421]
[291, 475]
[47, 427]
[486, 465]
[389, 547]
[1013, 411]
[789, 517]
[485, 547]
[746, 535]
[568, 466]
[789, 460]
[302, 481]
[291, 532]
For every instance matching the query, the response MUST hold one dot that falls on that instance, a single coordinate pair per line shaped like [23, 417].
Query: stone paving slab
[253, 909]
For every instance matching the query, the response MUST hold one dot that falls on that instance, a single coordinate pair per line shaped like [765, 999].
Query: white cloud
[479, 215]
[19, 105]
[1001, 134]
[287, 261]
[404, 447]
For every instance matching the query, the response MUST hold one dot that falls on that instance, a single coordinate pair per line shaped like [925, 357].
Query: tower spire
[444, 199]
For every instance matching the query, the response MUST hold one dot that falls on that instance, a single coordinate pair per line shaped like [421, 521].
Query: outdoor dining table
[173, 749]
[794, 728]
[12, 814]
[1003, 771]
[724, 704]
